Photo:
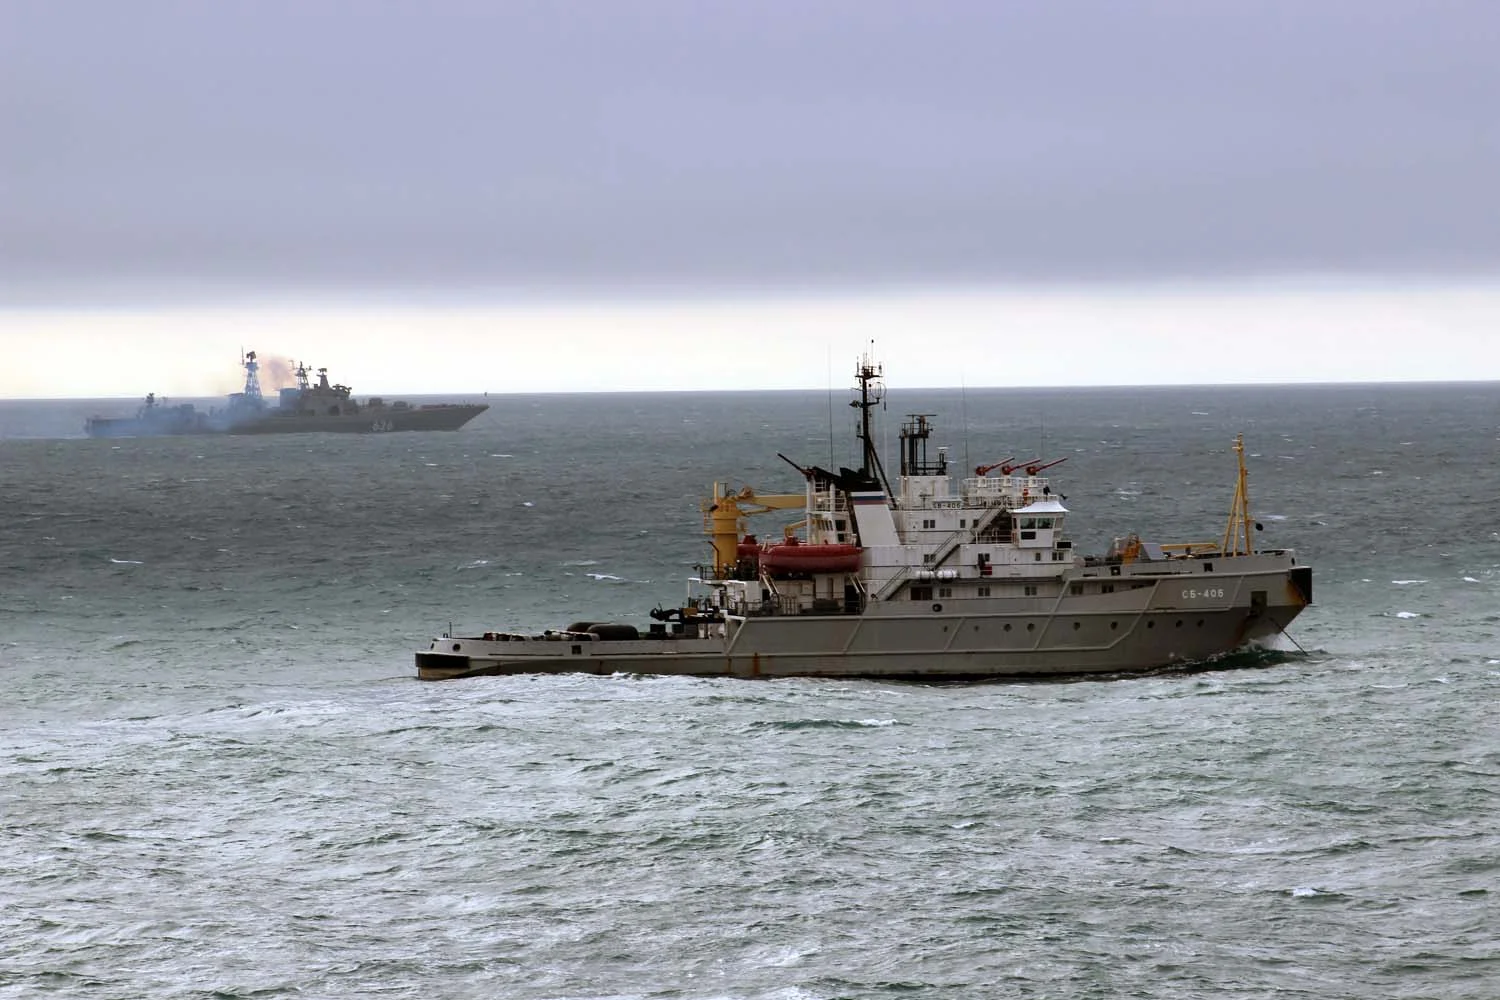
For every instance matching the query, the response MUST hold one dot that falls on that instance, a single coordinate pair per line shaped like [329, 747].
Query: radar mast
[252, 379]
[871, 378]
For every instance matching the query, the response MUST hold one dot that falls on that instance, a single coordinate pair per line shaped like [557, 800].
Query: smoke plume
[276, 374]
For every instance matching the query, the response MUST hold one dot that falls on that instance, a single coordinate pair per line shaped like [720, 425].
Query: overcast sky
[161, 155]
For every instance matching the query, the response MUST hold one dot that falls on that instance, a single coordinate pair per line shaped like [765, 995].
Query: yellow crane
[724, 517]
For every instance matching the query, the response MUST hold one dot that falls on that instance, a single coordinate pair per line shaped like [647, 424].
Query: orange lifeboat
[795, 557]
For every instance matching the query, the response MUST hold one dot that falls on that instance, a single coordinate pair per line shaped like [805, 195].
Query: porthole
[1077, 626]
[1200, 622]
[1007, 626]
[1031, 626]
[1113, 626]
[937, 607]
[1151, 624]
[457, 647]
[1179, 623]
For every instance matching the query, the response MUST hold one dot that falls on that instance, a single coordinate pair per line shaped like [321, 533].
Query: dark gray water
[218, 777]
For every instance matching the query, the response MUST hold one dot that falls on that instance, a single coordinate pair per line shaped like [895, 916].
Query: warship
[919, 579]
[299, 408]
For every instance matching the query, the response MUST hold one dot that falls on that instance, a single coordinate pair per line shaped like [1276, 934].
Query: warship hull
[1175, 621]
[426, 418]
[419, 418]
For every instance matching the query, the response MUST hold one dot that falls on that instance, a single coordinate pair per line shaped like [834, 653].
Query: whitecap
[581, 562]
[1304, 891]
[1407, 614]
[1470, 579]
[1406, 583]
[527, 503]
[126, 562]
[605, 576]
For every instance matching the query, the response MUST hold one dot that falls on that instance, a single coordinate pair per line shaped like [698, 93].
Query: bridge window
[921, 593]
[945, 591]
[982, 592]
[1029, 590]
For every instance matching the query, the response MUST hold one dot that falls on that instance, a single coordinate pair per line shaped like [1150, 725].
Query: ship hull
[1167, 624]
[371, 421]
[430, 418]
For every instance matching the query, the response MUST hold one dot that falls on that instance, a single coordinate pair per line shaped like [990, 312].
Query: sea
[219, 777]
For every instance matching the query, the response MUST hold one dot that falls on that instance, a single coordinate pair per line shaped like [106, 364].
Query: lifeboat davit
[794, 557]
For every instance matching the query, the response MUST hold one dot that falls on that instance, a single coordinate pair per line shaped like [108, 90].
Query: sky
[513, 196]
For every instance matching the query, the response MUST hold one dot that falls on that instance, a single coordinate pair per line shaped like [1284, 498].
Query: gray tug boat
[919, 580]
[304, 407]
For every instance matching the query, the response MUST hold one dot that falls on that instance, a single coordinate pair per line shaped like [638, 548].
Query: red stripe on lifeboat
[797, 558]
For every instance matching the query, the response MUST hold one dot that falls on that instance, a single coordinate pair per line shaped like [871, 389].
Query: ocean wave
[792, 725]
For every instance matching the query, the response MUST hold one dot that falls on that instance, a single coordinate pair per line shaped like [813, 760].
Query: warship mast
[252, 380]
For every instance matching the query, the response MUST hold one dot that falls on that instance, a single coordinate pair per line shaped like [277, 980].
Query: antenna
[829, 367]
[963, 410]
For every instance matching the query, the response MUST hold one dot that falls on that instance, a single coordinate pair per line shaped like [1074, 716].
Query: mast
[252, 379]
[1237, 529]
[871, 392]
[914, 435]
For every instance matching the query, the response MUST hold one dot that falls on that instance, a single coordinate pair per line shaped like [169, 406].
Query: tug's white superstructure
[920, 581]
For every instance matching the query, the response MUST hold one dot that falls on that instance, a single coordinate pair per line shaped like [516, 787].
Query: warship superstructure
[303, 407]
[924, 579]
